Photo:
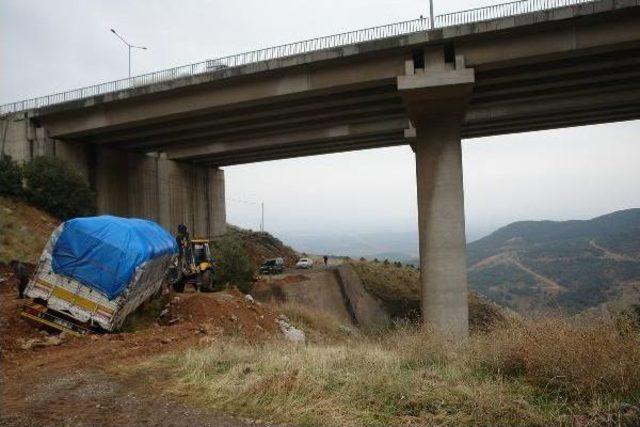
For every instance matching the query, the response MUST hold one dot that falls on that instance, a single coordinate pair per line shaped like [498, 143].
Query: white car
[304, 263]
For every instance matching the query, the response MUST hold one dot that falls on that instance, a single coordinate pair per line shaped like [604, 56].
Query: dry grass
[24, 230]
[565, 358]
[398, 288]
[388, 282]
[538, 373]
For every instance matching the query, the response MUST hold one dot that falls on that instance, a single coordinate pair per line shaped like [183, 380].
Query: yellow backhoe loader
[193, 265]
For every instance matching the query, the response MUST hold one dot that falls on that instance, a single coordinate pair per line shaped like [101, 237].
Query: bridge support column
[441, 226]
[217, 203]
[436, 98]
[166, 191]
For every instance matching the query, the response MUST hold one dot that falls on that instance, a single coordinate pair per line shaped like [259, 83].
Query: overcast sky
[48, 46]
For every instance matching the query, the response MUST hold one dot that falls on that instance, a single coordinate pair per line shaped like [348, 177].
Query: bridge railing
[502, 10]
[306, 46]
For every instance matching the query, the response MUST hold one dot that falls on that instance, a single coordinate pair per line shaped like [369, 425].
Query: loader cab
[194, 266]
[201, 253]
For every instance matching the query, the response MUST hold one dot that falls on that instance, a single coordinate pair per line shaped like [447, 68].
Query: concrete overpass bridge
[152, 146]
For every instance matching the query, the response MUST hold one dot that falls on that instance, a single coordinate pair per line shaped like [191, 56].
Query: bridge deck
[567, 66]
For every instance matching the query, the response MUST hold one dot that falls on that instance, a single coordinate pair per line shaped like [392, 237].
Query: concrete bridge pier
[167, 191]
[436, 97]
[441, 226]
[128, 183]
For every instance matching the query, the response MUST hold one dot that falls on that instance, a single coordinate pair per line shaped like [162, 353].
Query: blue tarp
[103, 252]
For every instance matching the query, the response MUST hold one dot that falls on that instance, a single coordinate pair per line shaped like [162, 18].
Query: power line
[247, 202]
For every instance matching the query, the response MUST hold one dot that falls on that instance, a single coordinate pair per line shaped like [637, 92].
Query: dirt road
[87, 381]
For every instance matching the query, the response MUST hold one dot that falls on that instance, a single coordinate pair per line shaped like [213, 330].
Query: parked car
[272, 266]
[304, 263]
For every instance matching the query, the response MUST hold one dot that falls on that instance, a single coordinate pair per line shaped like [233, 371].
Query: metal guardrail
[312, 45]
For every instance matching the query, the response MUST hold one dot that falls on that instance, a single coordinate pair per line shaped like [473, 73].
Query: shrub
[10, 177]
[58, 189]
[232, 264]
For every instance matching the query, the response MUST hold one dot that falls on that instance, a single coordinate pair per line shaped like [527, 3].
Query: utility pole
[130, 46]
[262, 219]
[431, 14]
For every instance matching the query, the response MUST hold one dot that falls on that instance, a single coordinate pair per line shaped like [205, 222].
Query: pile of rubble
[290, 332]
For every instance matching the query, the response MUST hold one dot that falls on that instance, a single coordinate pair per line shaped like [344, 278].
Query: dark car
[272, 266]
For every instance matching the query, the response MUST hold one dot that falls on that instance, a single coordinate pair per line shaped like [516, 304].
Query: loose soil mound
[189, 319]
[227, 312]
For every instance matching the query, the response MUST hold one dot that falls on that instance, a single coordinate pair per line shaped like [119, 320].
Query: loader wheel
[178, 286]
[205, 284]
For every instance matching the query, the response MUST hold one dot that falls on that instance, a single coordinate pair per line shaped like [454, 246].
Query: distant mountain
[571, 265]
[396, 246]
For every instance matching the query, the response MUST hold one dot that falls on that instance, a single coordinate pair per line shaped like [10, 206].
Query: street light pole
[431, 14]
[129, 45]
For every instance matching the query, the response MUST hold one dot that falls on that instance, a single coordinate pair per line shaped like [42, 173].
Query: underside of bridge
[156, 151]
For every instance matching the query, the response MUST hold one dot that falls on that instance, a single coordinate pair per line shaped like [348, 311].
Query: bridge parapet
[261, 58]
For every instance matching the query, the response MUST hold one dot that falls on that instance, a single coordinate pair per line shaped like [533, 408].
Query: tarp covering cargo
[98, 270]
[103, 252]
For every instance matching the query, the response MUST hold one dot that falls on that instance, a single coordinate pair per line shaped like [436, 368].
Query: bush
[58, 189]
[10, 177]
[232, 264]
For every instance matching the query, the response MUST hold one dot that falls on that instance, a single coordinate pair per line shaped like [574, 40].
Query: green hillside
[570, 265]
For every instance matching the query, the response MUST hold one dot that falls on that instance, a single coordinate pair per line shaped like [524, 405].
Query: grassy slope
[24, 230]
[512, 375]
[398, 287]
[262, 245]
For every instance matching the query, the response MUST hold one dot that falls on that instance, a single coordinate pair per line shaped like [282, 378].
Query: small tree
[232, 265]
[58, 189]
[10, 177]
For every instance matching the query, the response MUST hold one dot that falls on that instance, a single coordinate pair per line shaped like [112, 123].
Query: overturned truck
[96, 271]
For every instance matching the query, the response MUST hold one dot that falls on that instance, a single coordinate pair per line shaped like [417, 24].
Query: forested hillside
[571, 265]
